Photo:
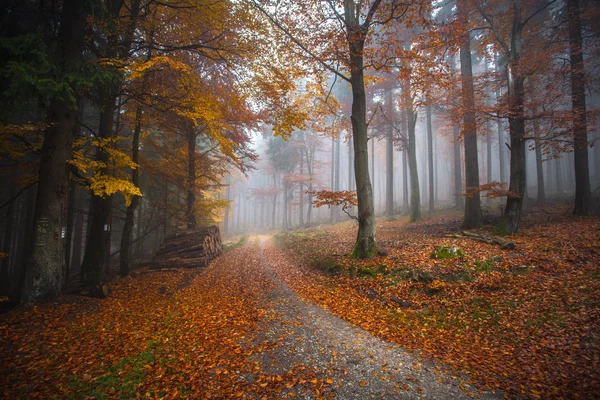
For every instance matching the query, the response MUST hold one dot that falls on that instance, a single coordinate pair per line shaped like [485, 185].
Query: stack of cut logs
[189, 249]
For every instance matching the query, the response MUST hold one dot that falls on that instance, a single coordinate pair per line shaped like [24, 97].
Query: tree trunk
[274, 211]
[458, 198]
[415, 196]
[228, 198]
[45, 260]
[472, 215]
[405, 179]
[366, 246]
[541, 190]
[69, 231]
[500, 133]
[94, 260]
[284, 212]
[301, 183]
[516, 122]
[77, 234]
[332, 209]
[583, 193]
[7, 244]
[389, 158]
[125, 253]
[191, 180]
[430, 159]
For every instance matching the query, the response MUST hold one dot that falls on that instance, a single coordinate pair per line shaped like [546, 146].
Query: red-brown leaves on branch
[344, 198]
[493, 189]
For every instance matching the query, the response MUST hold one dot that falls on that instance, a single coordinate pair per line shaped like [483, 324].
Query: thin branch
[297, 42]
[16, 196]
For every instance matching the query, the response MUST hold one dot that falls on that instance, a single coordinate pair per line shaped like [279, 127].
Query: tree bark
[405, 179]
[125, 253]
[226, 217]
[583, 193]
[541, 190]
[45, 260]
[459, 202]
[301, 184]
[415, 196]
[389, 157]
[472, 215]
[516, 121]
[366, 246]
[191, 179]
[500, 132]
[430, 159]
[94, 259]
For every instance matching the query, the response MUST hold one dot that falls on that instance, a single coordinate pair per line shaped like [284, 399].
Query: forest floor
[294, 317]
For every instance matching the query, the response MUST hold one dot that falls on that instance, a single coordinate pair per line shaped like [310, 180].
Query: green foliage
[243, 240]
[365, 272]
[442, 252]
[485, 265]
[123, 378]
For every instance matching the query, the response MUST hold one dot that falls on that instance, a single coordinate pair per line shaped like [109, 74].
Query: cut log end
[101, 291]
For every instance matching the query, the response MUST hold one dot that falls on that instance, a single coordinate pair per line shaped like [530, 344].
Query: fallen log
[190, 248]
[494, 240]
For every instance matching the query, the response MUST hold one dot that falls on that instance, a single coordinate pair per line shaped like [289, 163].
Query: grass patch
[243, 240]
[327, 266]
[443, 252]
[122, 380]
[366, 273]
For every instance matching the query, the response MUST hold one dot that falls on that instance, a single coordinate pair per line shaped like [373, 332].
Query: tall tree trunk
[301, 184]
[284, 212]
[125, 253]
[45, 260]
[332, 209]
[430, 159]
[228, 198]
[77, 233]
[472, 215]
[191, 180]
[366, 245]
[516, 121]
[583, 193]
[415, 196]
[488, 142]
[274, 212]
[459, 200]
[309, 165]
[69, 231]
[94, 260]
[500, 132]
[405, 179]
[389, 157]
[541, 190]
[7, 244]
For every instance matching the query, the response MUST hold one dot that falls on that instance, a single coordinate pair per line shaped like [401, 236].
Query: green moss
[360, 253]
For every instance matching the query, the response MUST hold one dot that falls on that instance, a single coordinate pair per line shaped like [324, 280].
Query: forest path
[337, 359]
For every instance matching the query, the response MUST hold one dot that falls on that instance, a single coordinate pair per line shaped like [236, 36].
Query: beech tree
[583, 194]
[44, 274]
[507, 26]
[349, 24]
[472, 215]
